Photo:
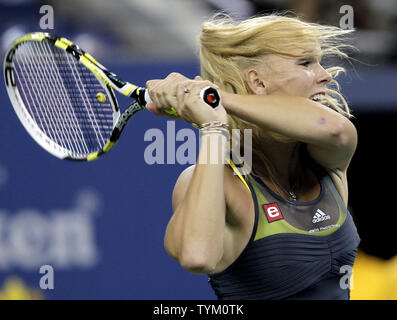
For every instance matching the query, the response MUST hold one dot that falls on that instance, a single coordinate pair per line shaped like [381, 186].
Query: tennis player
[282, 229]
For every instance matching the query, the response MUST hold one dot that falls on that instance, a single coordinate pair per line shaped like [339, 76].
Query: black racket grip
[210, 95]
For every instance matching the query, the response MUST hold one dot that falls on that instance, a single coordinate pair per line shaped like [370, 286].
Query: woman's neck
[285, 169]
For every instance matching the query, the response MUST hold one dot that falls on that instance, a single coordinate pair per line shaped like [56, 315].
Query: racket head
[63, 103]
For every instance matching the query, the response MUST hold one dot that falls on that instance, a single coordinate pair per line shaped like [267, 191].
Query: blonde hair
[229, 47]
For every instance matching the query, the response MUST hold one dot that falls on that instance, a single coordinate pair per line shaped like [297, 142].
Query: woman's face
[303, 77]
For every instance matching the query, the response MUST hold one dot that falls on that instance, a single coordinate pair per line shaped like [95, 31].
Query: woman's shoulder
[236, 193]
[181, 186]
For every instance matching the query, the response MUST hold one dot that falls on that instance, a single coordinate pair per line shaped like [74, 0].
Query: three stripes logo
[320, 216]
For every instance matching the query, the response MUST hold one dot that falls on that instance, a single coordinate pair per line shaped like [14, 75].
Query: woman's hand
[183, 94]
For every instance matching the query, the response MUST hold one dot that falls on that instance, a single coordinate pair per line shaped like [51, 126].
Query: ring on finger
[186, 90]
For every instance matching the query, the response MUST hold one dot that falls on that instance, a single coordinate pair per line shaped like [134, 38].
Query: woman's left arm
[331, 138]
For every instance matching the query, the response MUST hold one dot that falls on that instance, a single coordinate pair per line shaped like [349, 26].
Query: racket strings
[46, 98]
[60, 95]
[68, 123]
[89, 113]
[66, 103]
[40, 95]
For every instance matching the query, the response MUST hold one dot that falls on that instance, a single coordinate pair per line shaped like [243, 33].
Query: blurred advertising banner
[91, 230]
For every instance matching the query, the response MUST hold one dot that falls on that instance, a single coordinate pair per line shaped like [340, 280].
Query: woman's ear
[255, 82]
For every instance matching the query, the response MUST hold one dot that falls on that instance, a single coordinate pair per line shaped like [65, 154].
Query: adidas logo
[320, 216]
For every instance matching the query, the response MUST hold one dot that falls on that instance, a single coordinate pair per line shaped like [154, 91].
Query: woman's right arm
[196, 231]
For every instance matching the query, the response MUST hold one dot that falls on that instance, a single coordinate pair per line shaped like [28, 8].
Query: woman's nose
[323, 75]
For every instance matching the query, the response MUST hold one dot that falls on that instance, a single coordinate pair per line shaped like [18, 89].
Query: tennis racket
[65, 98]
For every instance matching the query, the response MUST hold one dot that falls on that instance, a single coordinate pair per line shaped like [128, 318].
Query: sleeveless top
[297, 250]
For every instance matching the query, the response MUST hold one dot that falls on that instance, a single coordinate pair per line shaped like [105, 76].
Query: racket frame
[109, 82]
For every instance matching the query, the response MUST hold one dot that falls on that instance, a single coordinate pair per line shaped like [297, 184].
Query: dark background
[372, 176]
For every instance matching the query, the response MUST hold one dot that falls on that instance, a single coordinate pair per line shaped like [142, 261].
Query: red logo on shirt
[273, 212]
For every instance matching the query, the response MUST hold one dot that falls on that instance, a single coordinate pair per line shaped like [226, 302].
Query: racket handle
[147, 97]
[208, 94]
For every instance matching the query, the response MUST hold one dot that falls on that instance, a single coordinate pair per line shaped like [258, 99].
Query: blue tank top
[297, 250]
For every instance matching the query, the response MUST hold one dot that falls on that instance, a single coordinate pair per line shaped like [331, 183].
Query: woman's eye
[305, 63]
